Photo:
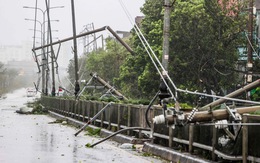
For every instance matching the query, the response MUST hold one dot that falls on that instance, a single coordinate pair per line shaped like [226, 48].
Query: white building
[16, 53]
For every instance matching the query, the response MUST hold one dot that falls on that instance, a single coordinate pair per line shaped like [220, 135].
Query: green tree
[204, 44]
[138, 76]
[81, 67]
[203, 47]
[9, 80]
[106, 63]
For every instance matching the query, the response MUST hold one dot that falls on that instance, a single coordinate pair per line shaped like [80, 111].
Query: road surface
[33, 139]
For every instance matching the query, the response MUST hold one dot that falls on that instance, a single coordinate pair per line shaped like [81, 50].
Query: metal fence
[192, 138]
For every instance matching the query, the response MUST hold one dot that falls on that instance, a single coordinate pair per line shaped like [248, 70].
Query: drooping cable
[146, 44]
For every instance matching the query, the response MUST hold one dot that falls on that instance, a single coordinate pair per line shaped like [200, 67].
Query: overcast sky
[14, 28]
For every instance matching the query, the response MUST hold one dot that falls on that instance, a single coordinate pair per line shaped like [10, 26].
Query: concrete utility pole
[77, 87]
[250, 43]
[249, 65]
[44, 56]
[166, 35]
[43, 70]
[165, 57]
[52, 51]
[250, 33]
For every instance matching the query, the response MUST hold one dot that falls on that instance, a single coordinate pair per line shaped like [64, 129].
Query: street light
[42, 24]
[42, 32]
[44, 58]
[43, 14]
[41, 9]
[35, 30]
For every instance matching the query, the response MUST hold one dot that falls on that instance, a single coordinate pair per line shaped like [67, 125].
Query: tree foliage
[204, 37]
[138, 76]
[204, 44]
[203, 47]
[105, 62]
[9, 80]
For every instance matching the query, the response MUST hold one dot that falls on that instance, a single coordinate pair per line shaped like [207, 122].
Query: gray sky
[14, 29]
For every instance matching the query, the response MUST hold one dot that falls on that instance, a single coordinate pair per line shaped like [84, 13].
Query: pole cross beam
[88, 33]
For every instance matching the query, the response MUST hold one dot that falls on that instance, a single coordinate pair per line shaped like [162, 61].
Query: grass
[93, 132]
[37, 107]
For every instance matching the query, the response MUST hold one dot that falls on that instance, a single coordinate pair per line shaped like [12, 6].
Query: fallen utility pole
[119, 39]
[118, 132]
[233, 94]
[221, 114]
[205, 116]
[94, 118]
[88, 33]
[108, 86]
[70, 38]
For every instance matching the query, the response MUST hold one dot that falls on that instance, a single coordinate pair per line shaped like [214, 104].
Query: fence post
[245, 139]
[109, 117]
[214, 142]
[118, 117]
[170, 137]
[94, 111]
[102, 116]
[141, 119]
[71, 108]
[152, 124]
[68, 108]
[83, 110]
[77, 110]
[62, 106]
[88, 110]
[129, 118]
[191, 136]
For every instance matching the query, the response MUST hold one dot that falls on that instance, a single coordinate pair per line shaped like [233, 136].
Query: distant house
[138, 20]
[123, 34]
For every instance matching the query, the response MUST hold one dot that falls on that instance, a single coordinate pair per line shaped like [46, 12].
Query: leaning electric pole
[77, 88]
[166, 35]
[47, 2]
[249, 65]
[165, 56]
[250, 33]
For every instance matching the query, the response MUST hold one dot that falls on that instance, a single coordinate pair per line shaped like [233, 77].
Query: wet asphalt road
[32, 139]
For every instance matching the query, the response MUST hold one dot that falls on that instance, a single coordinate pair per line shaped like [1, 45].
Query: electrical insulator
[192, 114]
[159, 119]
[221, 124]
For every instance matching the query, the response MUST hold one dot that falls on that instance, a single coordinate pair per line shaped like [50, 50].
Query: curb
[170, 154]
